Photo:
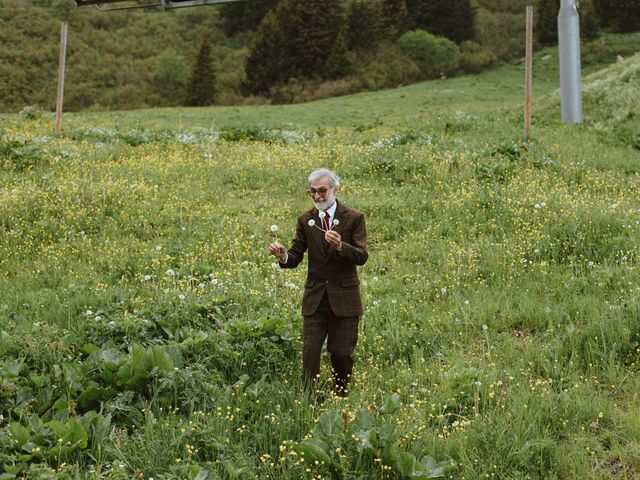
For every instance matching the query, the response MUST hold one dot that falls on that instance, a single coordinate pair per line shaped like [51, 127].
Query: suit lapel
[342, 215]
[316, 233]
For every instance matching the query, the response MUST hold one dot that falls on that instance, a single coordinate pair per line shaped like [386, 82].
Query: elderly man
[336, 239]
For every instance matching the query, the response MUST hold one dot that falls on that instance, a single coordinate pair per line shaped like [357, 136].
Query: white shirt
[331, 212]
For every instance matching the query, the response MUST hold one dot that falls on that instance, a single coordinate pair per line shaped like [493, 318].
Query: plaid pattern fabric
[343, 336]
[331, 272]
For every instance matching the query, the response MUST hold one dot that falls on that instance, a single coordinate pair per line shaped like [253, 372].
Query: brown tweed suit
[331, 304]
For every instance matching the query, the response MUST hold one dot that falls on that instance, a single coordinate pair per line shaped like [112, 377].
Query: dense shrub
[388, 67]
[474, 58]
[435, 56]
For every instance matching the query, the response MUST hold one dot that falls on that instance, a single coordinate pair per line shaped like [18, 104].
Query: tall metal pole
[61, 64]
[569, 48]
[528, 75]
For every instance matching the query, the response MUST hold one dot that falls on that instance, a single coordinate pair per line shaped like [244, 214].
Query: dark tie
[325, 221]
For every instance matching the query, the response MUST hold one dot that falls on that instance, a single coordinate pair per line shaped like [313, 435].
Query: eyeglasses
[319, 191]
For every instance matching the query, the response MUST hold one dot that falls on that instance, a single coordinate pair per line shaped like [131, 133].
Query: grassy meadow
[145, 332]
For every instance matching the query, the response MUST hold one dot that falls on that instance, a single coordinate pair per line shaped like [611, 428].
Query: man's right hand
[278, 251]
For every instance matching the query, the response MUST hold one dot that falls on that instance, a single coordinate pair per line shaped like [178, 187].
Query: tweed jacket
[328, 270]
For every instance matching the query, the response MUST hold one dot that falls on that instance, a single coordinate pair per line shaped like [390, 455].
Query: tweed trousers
[342, 333]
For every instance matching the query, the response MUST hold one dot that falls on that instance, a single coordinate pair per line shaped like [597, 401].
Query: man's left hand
[334, 239]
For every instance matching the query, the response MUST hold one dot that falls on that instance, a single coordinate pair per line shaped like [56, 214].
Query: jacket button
[326, 281]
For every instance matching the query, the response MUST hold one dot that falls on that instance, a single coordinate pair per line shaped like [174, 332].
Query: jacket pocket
[350, 282]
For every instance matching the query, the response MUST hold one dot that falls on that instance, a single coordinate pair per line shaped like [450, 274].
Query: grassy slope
[499, 87]
[494, 91]
[469, 227]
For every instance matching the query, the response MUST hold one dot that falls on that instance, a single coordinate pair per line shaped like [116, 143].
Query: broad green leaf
[391, 404]
[253, 390]
[107, 358]
[5, 342]
[93, 393]
[366, 440]
[72, 433]
[90, 348]
[140, 358]
[11, 368]
[97, 426]
[364, 420]
[134, 373]
[20, 433]
[74, 375]
[314, 449]
[330, 424]
[233, 471]
[269, 326]
[60, 452]
[435, 469]
[161, 359]
[405, 464]
[202, 475]
[391, 456]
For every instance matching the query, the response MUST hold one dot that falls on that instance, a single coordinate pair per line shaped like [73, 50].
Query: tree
[338, 64]
[363, 25]
[312, 34]
[170, 77]
[394, 18]
[299, 39]
[266, 64]
[546, 20]
[239, 17]
[201, 88]
[589, 22]
[620, 15]
[454, 19]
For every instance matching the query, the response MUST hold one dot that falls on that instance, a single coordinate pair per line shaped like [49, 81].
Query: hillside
[146, 332]
[496, 90]
[610, 98]
[143, 59]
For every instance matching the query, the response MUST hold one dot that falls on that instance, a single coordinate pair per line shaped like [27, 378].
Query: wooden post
[63, 56]
[528, 82]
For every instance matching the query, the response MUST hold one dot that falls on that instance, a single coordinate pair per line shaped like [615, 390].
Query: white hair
[319, 173]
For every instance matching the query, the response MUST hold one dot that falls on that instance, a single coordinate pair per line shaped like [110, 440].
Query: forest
[269, 51]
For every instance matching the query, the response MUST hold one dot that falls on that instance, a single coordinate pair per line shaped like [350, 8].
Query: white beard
[328, 202]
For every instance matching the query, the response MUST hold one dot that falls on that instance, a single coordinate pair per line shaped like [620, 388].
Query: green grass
[501, 331]
[496, 91]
